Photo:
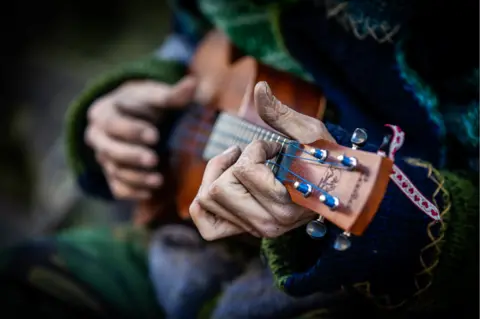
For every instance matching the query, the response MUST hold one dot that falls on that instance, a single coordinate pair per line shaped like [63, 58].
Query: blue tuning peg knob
[348, 161]
[304, 188]
[319, 154]
[329, 200]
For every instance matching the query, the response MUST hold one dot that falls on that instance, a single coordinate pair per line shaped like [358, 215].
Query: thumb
[181, 93]
[304, 129]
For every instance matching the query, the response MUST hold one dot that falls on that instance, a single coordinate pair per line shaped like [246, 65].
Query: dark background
[49, 50]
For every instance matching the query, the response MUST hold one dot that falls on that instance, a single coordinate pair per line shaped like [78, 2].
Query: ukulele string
[299, 177]
[203, 137]
[200, 137]
[243, 142]
[313, 160]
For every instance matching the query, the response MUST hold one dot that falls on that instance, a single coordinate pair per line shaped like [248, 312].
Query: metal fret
[230, 130]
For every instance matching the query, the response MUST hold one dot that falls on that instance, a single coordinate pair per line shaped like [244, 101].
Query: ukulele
[343, 185]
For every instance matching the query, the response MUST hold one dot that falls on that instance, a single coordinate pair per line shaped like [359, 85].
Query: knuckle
[214, 190]
[215, 162]
[118, 191]
[258, 145]
[194, 210]
[270, 230]
[318, 128]
[207, 235]
[243, 167]
[95, 109]
[286, 215]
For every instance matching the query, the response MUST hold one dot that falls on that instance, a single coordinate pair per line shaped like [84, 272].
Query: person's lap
[127, 272]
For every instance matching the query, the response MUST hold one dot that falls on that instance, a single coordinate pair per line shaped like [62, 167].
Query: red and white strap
[402, 181]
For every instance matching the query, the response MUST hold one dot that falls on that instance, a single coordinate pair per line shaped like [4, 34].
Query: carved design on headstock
[362, 178]
[330, 179]
[355, 193]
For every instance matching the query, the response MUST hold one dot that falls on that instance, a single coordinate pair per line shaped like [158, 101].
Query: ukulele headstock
[343, 185]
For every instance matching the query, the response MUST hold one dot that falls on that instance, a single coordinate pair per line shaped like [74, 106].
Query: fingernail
[154, 180]
[149, 160]
[230, 149]
[268, 91]
[149, 136]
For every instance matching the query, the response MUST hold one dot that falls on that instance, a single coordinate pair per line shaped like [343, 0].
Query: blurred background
[50, 49]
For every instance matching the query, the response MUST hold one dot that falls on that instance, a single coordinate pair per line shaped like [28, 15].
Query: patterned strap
[402, 181]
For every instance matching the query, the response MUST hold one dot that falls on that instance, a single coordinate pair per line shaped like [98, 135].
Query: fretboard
[230, 130]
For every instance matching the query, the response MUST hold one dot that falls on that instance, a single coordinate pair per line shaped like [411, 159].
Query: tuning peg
[342, 242]
[329, 200]
[348, 161]
[304, 188]
[319, 154]
[359, 138]
[317, 228]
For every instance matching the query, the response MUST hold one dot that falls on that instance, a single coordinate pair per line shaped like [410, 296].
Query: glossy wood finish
[359, 191]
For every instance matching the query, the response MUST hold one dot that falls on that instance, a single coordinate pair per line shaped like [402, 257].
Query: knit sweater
[375, 66]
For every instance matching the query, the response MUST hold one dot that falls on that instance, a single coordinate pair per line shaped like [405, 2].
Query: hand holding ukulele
[122, 127]
[240, 194]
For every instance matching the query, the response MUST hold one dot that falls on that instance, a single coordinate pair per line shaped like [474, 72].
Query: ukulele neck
[230, 130]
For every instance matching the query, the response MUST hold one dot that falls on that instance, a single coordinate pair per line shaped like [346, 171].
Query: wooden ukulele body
[226, 80]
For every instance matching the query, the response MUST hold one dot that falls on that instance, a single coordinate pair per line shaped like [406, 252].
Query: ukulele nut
[304, 188]
[319, 154]
[330, 201]
[348, 161]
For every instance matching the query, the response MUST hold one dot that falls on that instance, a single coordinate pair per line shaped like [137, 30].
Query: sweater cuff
[80, 157]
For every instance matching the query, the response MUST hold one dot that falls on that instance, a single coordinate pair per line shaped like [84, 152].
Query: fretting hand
[239, 193]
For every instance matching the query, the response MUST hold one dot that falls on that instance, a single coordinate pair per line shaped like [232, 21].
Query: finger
[228, 199]
[130, 129]
[181, 93]
[225, 206]
[302, 128]
[210, 226]
[215, 168]
[219, 164]
[233, 203]
[123, 191]
[155, 94]
[261, 183]
[133, 177]
[250, 171]
[120, 152]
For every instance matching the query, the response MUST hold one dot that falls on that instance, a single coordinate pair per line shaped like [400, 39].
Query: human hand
[121, 127]
[239, 193]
